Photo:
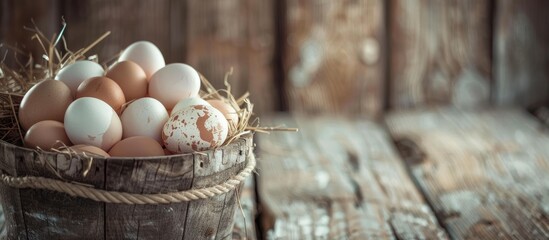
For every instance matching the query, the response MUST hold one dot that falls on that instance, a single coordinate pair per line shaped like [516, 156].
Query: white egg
[93, 122]
[144, 117]
[196, 128]
[173, 83]
[146, 55]
[74, 74]
[188, 102]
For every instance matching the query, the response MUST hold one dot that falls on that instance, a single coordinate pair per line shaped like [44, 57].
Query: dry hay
[15, 82]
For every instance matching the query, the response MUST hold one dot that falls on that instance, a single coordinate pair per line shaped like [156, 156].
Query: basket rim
[243, 138]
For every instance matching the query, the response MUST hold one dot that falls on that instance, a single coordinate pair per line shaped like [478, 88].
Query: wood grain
[236, 34]
[127, 20]
[244, 217]
[217, 211]
[11, 197]
[162, 221]
[484, 172]
[53, 215]
[334, 56]
[440, 53]
[18, 14]
[338, 179]
[521, 52]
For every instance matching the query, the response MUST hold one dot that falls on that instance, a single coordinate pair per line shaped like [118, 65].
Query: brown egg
[131, 78]
[45, 134]
[90, 150]
[102, 88]
[228, 111]
[138, 146]
[167, 152]
[47, 100]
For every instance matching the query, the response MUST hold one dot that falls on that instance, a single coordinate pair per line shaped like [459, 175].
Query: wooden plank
[244, 217]
[162, 221]
[338, 179]
[18, 14]
[216, 211]
[237, 34]
[11, 197]
[44, 218]
[53, 215]
[127, 20]
[333, 55]
[231, 158]
[3, 229]
[484, 172]
[440, 53]
[521, 52]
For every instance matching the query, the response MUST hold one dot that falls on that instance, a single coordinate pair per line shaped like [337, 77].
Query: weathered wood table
[422, 174]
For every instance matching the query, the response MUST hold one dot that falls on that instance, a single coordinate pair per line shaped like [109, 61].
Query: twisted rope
[100, 195]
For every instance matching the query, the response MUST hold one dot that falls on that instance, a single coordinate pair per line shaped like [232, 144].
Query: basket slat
[44, 214]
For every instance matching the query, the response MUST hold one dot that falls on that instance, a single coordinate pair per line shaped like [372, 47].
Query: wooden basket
[33, 213]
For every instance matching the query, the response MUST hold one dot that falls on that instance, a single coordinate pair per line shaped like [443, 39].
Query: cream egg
[174, 83]
[74, 74]
[196, 128]
[146, 55]
[144, 117]
[93, 122]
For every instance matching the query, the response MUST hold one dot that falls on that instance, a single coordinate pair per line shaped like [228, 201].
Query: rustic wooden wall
[127, 20]
[319, 56]
[440, 53]
[15, 14]
[333, 56]
[237, 34]
[212, 36]
[521, 52]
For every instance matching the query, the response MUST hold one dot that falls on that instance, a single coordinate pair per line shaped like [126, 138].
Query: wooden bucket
[33, 213]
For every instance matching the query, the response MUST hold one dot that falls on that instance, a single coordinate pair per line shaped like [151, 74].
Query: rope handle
[100, 195]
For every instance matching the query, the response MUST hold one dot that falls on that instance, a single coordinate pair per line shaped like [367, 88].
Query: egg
[138, 146]
[131, 78]
[188, 102]
[102, 88]
[174, 83]
[89, 150]
[93, 122]
[74, 74]
[47, 100]
[228, 111]
[146, 55]
[167, 152]
[46, 134]
[196, 128]
[144, 117]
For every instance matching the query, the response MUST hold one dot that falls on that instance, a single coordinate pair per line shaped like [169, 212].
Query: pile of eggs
[138, 107]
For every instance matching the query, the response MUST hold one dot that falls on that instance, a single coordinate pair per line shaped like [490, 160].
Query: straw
[14, 83]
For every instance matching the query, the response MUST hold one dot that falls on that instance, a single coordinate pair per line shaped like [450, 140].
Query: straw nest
[15, 82]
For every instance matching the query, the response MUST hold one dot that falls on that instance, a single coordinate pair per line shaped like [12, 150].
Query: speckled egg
[196, 128]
